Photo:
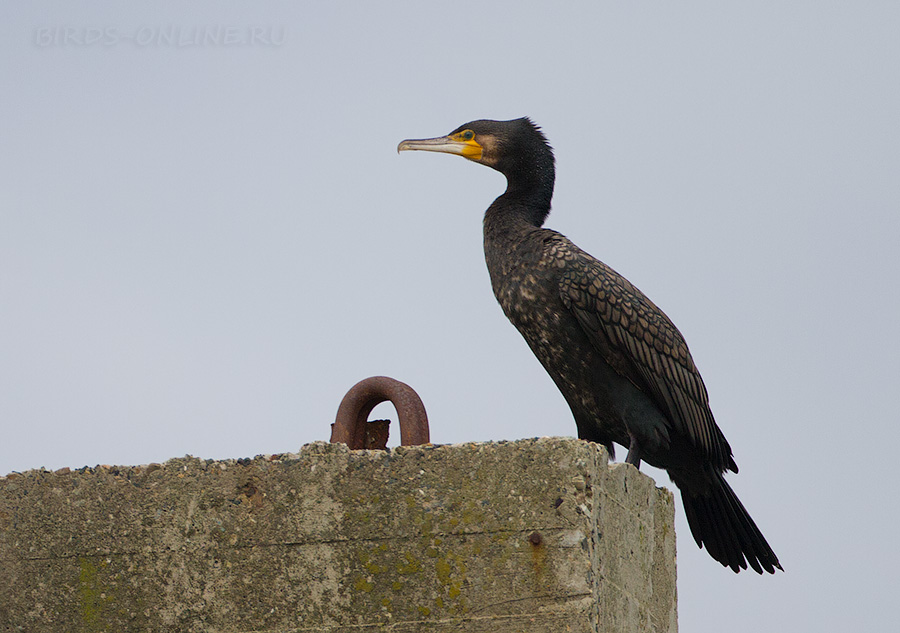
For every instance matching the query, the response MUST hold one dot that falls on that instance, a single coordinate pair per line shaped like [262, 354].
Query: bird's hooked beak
[461, 143]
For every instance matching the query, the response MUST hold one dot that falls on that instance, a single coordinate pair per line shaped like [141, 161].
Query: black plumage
[622, 366]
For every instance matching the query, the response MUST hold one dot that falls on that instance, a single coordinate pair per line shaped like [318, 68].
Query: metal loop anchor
[351, 424]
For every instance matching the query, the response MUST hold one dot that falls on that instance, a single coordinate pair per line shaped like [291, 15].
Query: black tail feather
[719, 522]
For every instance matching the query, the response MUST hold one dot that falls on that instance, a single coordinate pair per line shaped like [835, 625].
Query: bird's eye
[467, 135]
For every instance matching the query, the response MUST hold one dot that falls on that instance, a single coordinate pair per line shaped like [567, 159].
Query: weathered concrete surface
[527, 536]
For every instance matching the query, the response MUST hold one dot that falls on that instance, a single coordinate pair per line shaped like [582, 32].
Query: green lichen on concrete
[450, 571]
[88, 592]
[409, 564]
[442, 571]
[93, 596]
[363, 584]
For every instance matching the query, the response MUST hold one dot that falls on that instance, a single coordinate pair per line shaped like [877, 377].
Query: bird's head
[510, 147]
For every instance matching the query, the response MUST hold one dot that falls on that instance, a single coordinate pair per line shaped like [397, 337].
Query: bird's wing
[642, 344]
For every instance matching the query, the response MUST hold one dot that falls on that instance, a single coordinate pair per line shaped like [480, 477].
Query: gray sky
[204, 244]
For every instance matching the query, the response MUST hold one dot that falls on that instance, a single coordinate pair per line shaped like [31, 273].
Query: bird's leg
[634, 452]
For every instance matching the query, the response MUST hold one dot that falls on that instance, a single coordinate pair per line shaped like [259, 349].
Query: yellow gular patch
[471, 148]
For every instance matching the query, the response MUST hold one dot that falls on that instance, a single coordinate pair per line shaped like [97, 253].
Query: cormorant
[622, 366]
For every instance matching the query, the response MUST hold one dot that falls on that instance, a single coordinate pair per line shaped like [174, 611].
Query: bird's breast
[527, 288]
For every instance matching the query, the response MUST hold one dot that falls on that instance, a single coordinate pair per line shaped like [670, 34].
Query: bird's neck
[507, 219]
[523, 206]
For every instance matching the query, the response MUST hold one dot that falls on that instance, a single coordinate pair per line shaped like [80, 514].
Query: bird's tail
[719, 522]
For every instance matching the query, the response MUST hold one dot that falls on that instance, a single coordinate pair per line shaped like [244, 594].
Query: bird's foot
[634, 453]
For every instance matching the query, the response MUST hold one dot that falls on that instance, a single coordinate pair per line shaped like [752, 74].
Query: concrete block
[528, 536]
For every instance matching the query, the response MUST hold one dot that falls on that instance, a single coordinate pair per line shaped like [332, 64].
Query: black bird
[622, 366]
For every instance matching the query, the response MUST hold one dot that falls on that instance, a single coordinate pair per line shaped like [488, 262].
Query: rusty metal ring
[350, 424]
